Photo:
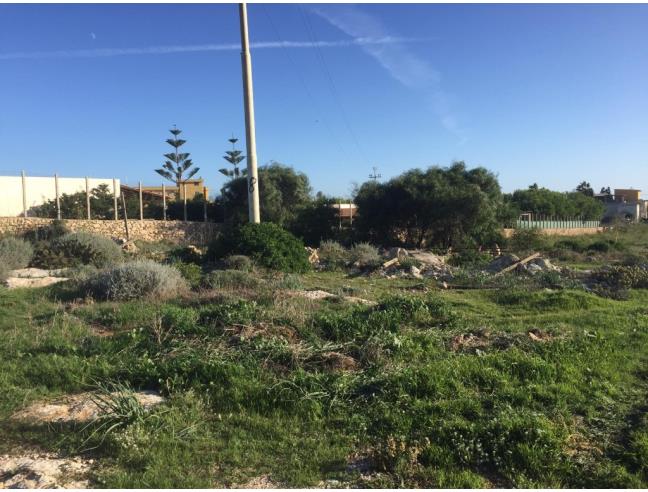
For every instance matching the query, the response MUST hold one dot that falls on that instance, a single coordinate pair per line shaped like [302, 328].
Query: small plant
[470, 258]
[55, 229]
[524, 240]
[623, 277]
[239, 262]
[191, 272]
[332, 255]
[266, 244]
[231, 279]
[78, 248]
[135, 280]
[15, 253]
[187, 254]
[364, 255]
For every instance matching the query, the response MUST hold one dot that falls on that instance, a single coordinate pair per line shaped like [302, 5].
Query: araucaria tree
[234, 157]
[177, 163]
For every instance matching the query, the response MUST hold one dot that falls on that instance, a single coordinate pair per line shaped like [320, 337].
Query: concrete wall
[198, 233]
[577, 231]
[39, 190]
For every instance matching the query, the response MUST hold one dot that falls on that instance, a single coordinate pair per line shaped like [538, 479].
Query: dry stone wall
[198, 233]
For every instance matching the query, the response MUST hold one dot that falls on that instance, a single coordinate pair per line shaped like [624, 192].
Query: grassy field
[520, 386]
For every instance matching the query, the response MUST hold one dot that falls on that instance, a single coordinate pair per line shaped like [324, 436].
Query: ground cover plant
[531, 382]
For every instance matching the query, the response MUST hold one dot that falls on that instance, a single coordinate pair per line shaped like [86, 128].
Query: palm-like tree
[178, 162]
[234, 157]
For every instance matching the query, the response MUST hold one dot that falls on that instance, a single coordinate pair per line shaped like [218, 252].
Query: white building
[40, 189]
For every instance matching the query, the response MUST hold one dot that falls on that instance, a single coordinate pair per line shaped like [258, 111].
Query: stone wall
[573, 231]
[198, 233]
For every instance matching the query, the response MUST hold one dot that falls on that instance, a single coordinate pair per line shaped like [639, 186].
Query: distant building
[193, 186]
[625, 204]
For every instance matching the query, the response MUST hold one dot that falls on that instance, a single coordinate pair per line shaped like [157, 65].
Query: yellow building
[627, 195]
[193, 187]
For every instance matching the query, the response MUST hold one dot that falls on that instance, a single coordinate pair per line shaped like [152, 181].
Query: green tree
[282, 191]
[585, 188]
[177, 163]
[234, 157]
[440, 207]
[542, 201]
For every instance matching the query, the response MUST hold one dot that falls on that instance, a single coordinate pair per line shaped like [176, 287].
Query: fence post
[115, 198]
[184, 192]
[87, 183]
[58, 197]
[205, 204]
[141, 202]
[163, 201]
[24, 194]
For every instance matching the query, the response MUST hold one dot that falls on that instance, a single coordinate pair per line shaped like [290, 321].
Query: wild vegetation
[535, 381]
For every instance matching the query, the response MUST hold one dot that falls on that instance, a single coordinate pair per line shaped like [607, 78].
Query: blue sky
[552, 94]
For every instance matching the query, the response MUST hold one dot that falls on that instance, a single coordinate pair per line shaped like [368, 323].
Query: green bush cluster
[239, 262]
[525, 240]
[364, 255]
[77, 248]
[134, 280]
[623, 277]
[14, 253]
[266, 244]
[231, 279]
[332, 255]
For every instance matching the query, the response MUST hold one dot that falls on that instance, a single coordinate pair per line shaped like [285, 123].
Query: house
[625, 204]
[192, 186]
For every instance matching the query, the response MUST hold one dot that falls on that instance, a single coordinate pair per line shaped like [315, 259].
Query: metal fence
[556, 223]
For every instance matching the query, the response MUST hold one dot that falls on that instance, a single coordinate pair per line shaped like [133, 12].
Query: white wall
[41, 189]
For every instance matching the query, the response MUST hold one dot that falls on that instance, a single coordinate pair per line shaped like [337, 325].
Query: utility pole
[250, 134]
[375, 176]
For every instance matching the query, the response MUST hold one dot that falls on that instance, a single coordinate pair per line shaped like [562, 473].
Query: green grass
[256, 385]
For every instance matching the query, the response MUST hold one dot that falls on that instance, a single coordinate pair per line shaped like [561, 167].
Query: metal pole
[87, 197]
[58, 197]
[24, 194]
[115, 199]
[184, 193]
[163, 202]
[141, 202]
[204, 204]
[250, 134]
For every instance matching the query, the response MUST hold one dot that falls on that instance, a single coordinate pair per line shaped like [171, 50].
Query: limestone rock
[43, 470]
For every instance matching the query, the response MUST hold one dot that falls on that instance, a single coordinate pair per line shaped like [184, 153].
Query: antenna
[375, 176]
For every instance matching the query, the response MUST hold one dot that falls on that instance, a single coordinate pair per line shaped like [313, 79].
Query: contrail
[166, 50]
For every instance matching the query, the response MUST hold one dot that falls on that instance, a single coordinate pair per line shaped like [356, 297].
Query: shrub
[365, 255]
[470, 258]
[527, 240]
[191, 272]
[78, 248]
[623, 277]
[266, 244]
[15, 253]
[55, 229]
[134, 280]
[239, 262]
[332, 255]
[231, 279]
[187, 254]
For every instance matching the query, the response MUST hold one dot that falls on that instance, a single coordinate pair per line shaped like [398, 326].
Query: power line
[301, 79]
[332, 87]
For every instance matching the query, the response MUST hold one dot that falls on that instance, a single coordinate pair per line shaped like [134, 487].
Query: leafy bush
[527, 240]
[55, 229]
[191, 272]
[267, 244]
[231, 279]
[78, 248]
[15, 253]
[623, 277]
[332, 255]
[365, 255]
[187, 254]
[134, 280]
[470, 258]
[239, 262]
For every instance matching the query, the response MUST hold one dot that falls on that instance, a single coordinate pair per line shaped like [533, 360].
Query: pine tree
[234, 157]
[178, 162]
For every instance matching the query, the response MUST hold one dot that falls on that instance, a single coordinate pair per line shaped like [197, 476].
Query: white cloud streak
[167, 50]
[403, 65]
